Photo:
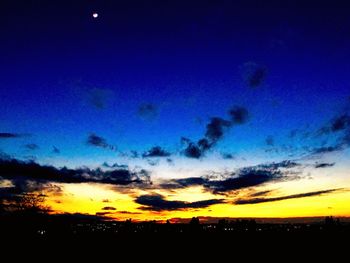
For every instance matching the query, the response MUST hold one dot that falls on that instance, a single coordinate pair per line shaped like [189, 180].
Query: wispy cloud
[99, 98]
[156, 151]
[9, 135]
[243, 178]
[147, 111]
[31, 146]
[280, 198]
[324, 165]
[253, 74]
[97, 141]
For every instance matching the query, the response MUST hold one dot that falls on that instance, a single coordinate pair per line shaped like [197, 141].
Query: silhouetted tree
[30, 202]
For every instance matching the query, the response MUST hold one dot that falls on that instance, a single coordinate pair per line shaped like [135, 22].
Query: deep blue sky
[146, 73]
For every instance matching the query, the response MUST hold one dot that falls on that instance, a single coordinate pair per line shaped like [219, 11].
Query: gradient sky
[123, 90]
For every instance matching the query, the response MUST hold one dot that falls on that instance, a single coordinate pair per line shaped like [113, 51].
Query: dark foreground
[46, 227]
[63, 237]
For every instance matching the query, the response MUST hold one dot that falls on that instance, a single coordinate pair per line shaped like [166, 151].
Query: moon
[95, 15]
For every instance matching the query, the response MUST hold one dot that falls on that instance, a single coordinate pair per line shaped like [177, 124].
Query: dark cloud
[326, 149]
[253, 74]
[282, 164]
[8, 135]
[152, 162]
[274, 199]
[247, 177]
[339, 128]
[324, 165]
[158, 203]
[261, 193]
[215, 131]
[170, 161]
[19, 171]
[115, 165]
[129, 213]
[239, 115]
[243, 178]
[340, 123]
[228, 156]
[55, 150]
[97, 141]
[134, 154]
[156, 151]
[31, 146]
[106, 208]
[99, 98]
[102, 214]
[147, 111]
[193, 150]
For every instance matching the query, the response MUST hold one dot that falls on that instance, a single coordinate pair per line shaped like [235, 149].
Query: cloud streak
[243, 178]
[280, 198]
[9, 135]
[156, 151]
[97, 141]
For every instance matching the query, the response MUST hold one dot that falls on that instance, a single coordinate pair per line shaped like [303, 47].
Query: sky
[173, 109]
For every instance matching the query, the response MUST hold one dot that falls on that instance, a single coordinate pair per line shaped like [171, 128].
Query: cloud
[274, 199]
[243, 178]
[261, 193]
[324, 165]
[31, 146]
[102, 214]
[247, 177]
[129, 213]
[20, 171]
[170, 161]
[239, 115]
[327, 149]
[8, 135]
[193, 150]
[158, 203]
[97, 141]
[99, 98]
[253, 74]
[108, 208]
[148, 111]
[340, 123]
[282, 164]
[55, 150]
[215, 131]
[153, 162]
[228, 156]
[115, 165]
[156, 151]
[339, 128]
